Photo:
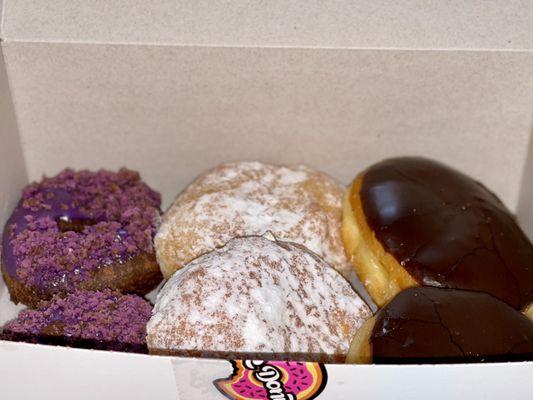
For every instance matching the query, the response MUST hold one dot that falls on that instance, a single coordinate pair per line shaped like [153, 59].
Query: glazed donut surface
[430, 325]
[413, 221]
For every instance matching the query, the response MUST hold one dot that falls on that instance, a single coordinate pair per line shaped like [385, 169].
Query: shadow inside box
[466, 359]
[281, 357]
[328, 359]
[523, 352]
[225, 355]
[75, 342]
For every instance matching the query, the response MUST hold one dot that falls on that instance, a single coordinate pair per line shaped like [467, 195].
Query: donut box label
[273, 380]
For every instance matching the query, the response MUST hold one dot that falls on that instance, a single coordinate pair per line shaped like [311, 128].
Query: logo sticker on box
[273, 380]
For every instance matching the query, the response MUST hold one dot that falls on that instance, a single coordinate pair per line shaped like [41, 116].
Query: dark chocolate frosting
[426, 324]
[447, 230]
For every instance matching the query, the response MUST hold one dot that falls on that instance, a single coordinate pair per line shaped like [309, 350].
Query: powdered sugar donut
[257, 298]
[296, 204]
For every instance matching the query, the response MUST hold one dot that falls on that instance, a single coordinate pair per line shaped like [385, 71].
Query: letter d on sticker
[273, 380]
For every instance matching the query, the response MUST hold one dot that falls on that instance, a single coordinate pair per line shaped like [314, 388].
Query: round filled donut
[81, 230]
[432, 325]
[296, 204]
[413, 221]
[256, 298]
[105, 320]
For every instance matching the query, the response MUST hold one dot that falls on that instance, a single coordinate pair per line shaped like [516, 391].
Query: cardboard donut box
[172, 88]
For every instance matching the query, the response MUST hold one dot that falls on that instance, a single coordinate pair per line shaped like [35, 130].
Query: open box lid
[338, 24]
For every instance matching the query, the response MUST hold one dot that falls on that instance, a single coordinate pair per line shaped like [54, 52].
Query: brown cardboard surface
[475, 24]
[13, 171]
[171, 111]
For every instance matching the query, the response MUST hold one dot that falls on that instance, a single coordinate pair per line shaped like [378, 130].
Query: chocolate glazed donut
[413, 221]
[431, 325]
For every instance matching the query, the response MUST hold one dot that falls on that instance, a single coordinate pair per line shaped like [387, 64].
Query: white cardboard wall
[173, 111]
[1, 17]
[525, 205]
[50, 372]
[13, 174]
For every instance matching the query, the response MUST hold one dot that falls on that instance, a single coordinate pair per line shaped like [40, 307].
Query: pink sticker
[273, 380]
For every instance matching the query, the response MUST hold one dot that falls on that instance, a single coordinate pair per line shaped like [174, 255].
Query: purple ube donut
[104, 320]
[81, 230]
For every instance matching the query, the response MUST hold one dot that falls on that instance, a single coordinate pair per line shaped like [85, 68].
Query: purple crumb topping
[68, 226]
[103, 319]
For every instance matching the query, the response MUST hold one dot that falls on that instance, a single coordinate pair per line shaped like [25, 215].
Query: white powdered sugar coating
[257, 298]
[296, 204]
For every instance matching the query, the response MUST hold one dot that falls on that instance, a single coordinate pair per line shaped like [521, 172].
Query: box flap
[48, 372]
[334, 24]
[348, 382]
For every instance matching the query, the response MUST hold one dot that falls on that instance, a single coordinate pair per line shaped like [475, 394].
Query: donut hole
[67, 224]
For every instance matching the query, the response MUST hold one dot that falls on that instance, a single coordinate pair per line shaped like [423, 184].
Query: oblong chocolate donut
[81, 230]
[431, 325]
[413, 221]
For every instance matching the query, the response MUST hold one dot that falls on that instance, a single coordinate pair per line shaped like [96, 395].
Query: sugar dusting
[255, 296]
[250, 198]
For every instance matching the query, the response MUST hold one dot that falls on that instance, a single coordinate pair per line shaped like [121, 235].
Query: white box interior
[171, 110]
